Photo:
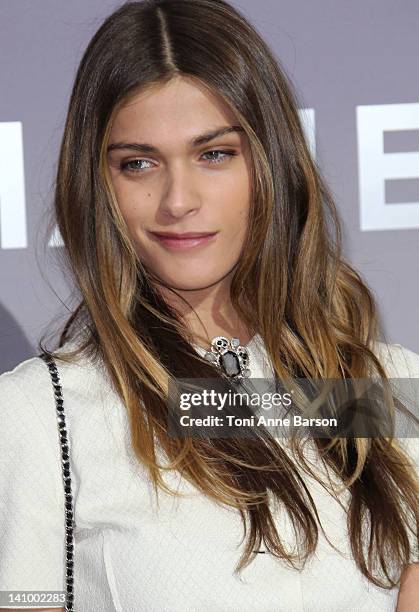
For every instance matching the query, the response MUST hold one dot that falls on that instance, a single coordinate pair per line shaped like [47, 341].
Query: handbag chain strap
[65, 463]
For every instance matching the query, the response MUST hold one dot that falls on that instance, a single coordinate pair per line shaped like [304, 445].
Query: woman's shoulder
[398, 360]
[402, 367]
[26, 385]
[27, 394]
[34, 370]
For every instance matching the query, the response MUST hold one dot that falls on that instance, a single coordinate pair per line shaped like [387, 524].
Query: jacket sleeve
[404, 366]
[32, 528]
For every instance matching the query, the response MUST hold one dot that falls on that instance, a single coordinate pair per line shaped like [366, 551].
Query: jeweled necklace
[232, 358]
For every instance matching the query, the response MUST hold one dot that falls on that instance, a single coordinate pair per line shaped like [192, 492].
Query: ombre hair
[292, 285]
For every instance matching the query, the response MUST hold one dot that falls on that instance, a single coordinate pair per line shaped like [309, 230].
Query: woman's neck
[208, 313]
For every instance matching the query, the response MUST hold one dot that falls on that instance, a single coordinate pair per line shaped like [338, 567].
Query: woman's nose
[180, 196]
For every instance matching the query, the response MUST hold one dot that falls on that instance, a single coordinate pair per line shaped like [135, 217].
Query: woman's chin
[191, 281]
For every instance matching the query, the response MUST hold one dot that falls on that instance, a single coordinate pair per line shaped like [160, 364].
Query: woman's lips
[181, 244]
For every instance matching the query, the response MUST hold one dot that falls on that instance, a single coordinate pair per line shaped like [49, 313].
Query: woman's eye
[216, 157]
[134, 165]
[217, 160]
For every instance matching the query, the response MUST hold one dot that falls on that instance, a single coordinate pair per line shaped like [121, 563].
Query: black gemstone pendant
[230, 363]
[230, 357]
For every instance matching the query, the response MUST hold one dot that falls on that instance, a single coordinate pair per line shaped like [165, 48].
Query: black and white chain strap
[65, 461]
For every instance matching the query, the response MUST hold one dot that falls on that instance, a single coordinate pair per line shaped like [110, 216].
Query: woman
[181, 121]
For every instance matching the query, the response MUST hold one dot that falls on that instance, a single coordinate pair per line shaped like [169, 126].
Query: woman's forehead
[178, 108]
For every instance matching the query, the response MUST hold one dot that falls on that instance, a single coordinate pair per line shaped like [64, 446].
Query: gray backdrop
[354, 65]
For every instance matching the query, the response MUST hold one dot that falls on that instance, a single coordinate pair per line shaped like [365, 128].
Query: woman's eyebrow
[196, 141]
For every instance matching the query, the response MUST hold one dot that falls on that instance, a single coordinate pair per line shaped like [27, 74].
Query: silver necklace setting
[230, 356]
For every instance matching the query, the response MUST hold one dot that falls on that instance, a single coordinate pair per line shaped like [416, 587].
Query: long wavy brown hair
[292, 285]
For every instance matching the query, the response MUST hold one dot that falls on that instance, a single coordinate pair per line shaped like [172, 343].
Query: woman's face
[165, 182]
